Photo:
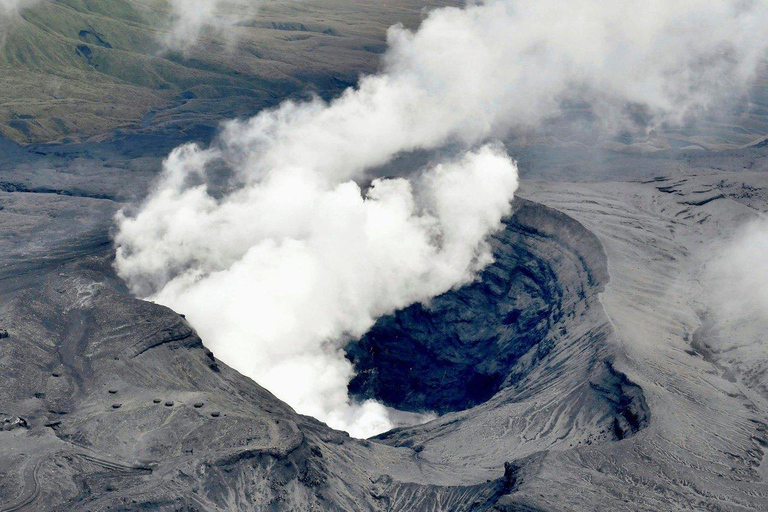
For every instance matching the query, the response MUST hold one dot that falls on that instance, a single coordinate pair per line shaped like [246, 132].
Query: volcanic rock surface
[585, 369]
[600, 396]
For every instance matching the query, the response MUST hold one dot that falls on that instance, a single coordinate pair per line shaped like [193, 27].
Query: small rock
[112, 391]
[215, 414]
[14, 423]
[56, 374]
[169, 403]
[198, 405]
[117, 406]
[3, 334]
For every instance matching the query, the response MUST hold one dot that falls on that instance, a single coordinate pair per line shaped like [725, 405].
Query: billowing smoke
[190, 19]
[277, 254]
[278, 275]
[736, 277]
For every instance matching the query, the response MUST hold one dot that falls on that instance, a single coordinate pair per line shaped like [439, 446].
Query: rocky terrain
[586, 369]
[595, 391]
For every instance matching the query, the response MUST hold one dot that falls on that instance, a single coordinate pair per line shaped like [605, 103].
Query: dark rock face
[12, 423]
[632, 411]
[460, 350]
[92, 37]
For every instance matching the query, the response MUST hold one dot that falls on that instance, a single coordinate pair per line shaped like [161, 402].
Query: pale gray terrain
[586, 370]
[626, 399]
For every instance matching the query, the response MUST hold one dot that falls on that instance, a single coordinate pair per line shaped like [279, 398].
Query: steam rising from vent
[279, 257]
[279, 275]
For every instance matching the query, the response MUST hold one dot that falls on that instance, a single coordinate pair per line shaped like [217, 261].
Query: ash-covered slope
[704, 448]
[585, 370]
[114, 403]
[622, 402]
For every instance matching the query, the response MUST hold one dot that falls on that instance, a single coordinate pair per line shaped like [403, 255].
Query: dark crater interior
[462, 348]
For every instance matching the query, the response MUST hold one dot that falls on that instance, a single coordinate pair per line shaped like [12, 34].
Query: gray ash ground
[568, 376]
[584, 371]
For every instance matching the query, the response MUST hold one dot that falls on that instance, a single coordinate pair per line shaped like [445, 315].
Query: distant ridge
[92, 67]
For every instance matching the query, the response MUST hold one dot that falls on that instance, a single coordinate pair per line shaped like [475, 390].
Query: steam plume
[276, 254]
[736, 276]
[190, 19]
[280, 274]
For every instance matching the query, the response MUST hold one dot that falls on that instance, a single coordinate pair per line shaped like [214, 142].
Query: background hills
[91, 67]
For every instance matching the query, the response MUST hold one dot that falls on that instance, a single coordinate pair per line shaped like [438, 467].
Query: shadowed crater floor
[464, 347]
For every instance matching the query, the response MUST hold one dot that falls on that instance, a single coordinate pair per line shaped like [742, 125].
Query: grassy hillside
[85, 68]
[82, 69]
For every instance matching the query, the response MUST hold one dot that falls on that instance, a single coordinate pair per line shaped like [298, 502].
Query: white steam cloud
[191, 18]
[8, 7]
[736, 301]
[275, 253]
[280, 274]
[737, 277]
[9, 13]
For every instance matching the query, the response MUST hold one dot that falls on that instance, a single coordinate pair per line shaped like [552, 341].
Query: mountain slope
[83, 69]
